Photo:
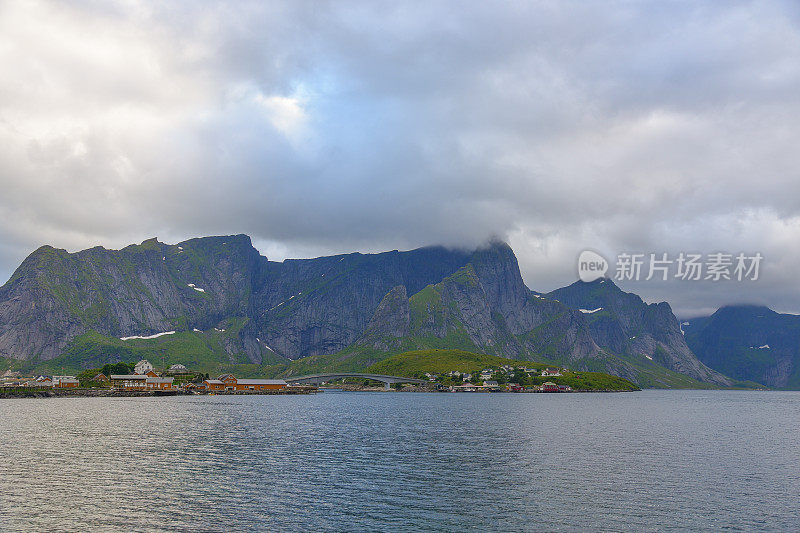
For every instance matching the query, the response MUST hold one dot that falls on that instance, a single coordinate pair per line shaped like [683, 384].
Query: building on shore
[177, 369]
[212, 385]
[549, 386]
[491, 386]
[551, 372]
[143, 367]
[229, 382]
[466, 387]
[141, 382]
[65, 382]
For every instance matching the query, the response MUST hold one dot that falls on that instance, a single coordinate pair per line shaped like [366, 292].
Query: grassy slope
[648, 374]
[357, 359]
[352, 359]
[418, 362]
[202, 352]
[198, 351]
[438, 361]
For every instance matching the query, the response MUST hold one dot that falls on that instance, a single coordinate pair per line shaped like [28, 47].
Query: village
[144, 379]
[498, 380]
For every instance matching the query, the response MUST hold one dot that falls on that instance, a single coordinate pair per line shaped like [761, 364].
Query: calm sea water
[652, 460]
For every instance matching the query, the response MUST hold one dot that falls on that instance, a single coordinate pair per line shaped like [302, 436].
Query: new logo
[591, 266]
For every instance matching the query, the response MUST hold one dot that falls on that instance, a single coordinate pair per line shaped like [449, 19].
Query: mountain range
[217, 301]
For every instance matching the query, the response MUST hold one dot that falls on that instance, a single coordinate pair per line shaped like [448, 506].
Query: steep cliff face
[485, 307]
[294, 308]
[390, 323]
[623, 324]
[457, 312]
[55, 296]
[318, 306]
[749, 343]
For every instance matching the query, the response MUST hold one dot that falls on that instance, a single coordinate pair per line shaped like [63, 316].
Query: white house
[551, 372]
[143, 367]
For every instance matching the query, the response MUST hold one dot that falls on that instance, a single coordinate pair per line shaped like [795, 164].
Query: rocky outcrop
[320, 306]
[485, 307]
[391, 321]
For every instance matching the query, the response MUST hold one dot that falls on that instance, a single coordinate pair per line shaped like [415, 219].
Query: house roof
[129, 376]
[261, 382]
[159, 380]
[213, 381]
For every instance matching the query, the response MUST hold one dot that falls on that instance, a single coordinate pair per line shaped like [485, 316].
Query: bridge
[322, 378]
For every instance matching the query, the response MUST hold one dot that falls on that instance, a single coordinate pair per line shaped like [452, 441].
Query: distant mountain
[623, 324]
[749, 343]
[216, 301]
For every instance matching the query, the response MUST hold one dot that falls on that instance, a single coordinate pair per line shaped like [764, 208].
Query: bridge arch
[322, 378]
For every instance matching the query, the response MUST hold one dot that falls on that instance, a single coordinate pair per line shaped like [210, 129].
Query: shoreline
[11, 393]
[356, 388]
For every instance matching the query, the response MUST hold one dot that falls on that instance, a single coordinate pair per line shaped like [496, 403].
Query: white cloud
[286, 114]
[327, 127]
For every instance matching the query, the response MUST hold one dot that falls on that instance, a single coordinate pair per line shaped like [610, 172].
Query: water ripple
[650, 461]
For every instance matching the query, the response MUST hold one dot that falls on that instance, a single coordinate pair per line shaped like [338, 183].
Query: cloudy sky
[321, 127]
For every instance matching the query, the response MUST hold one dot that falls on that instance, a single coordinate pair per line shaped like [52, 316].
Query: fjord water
[652, 460]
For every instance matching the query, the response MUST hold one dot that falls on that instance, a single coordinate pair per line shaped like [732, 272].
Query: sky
[328, 127]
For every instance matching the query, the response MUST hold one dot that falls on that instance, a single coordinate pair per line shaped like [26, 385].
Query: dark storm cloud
[322, 127]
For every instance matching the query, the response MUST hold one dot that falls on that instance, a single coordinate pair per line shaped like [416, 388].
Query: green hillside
[198, 351]
[438, 361]
[417, 363]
